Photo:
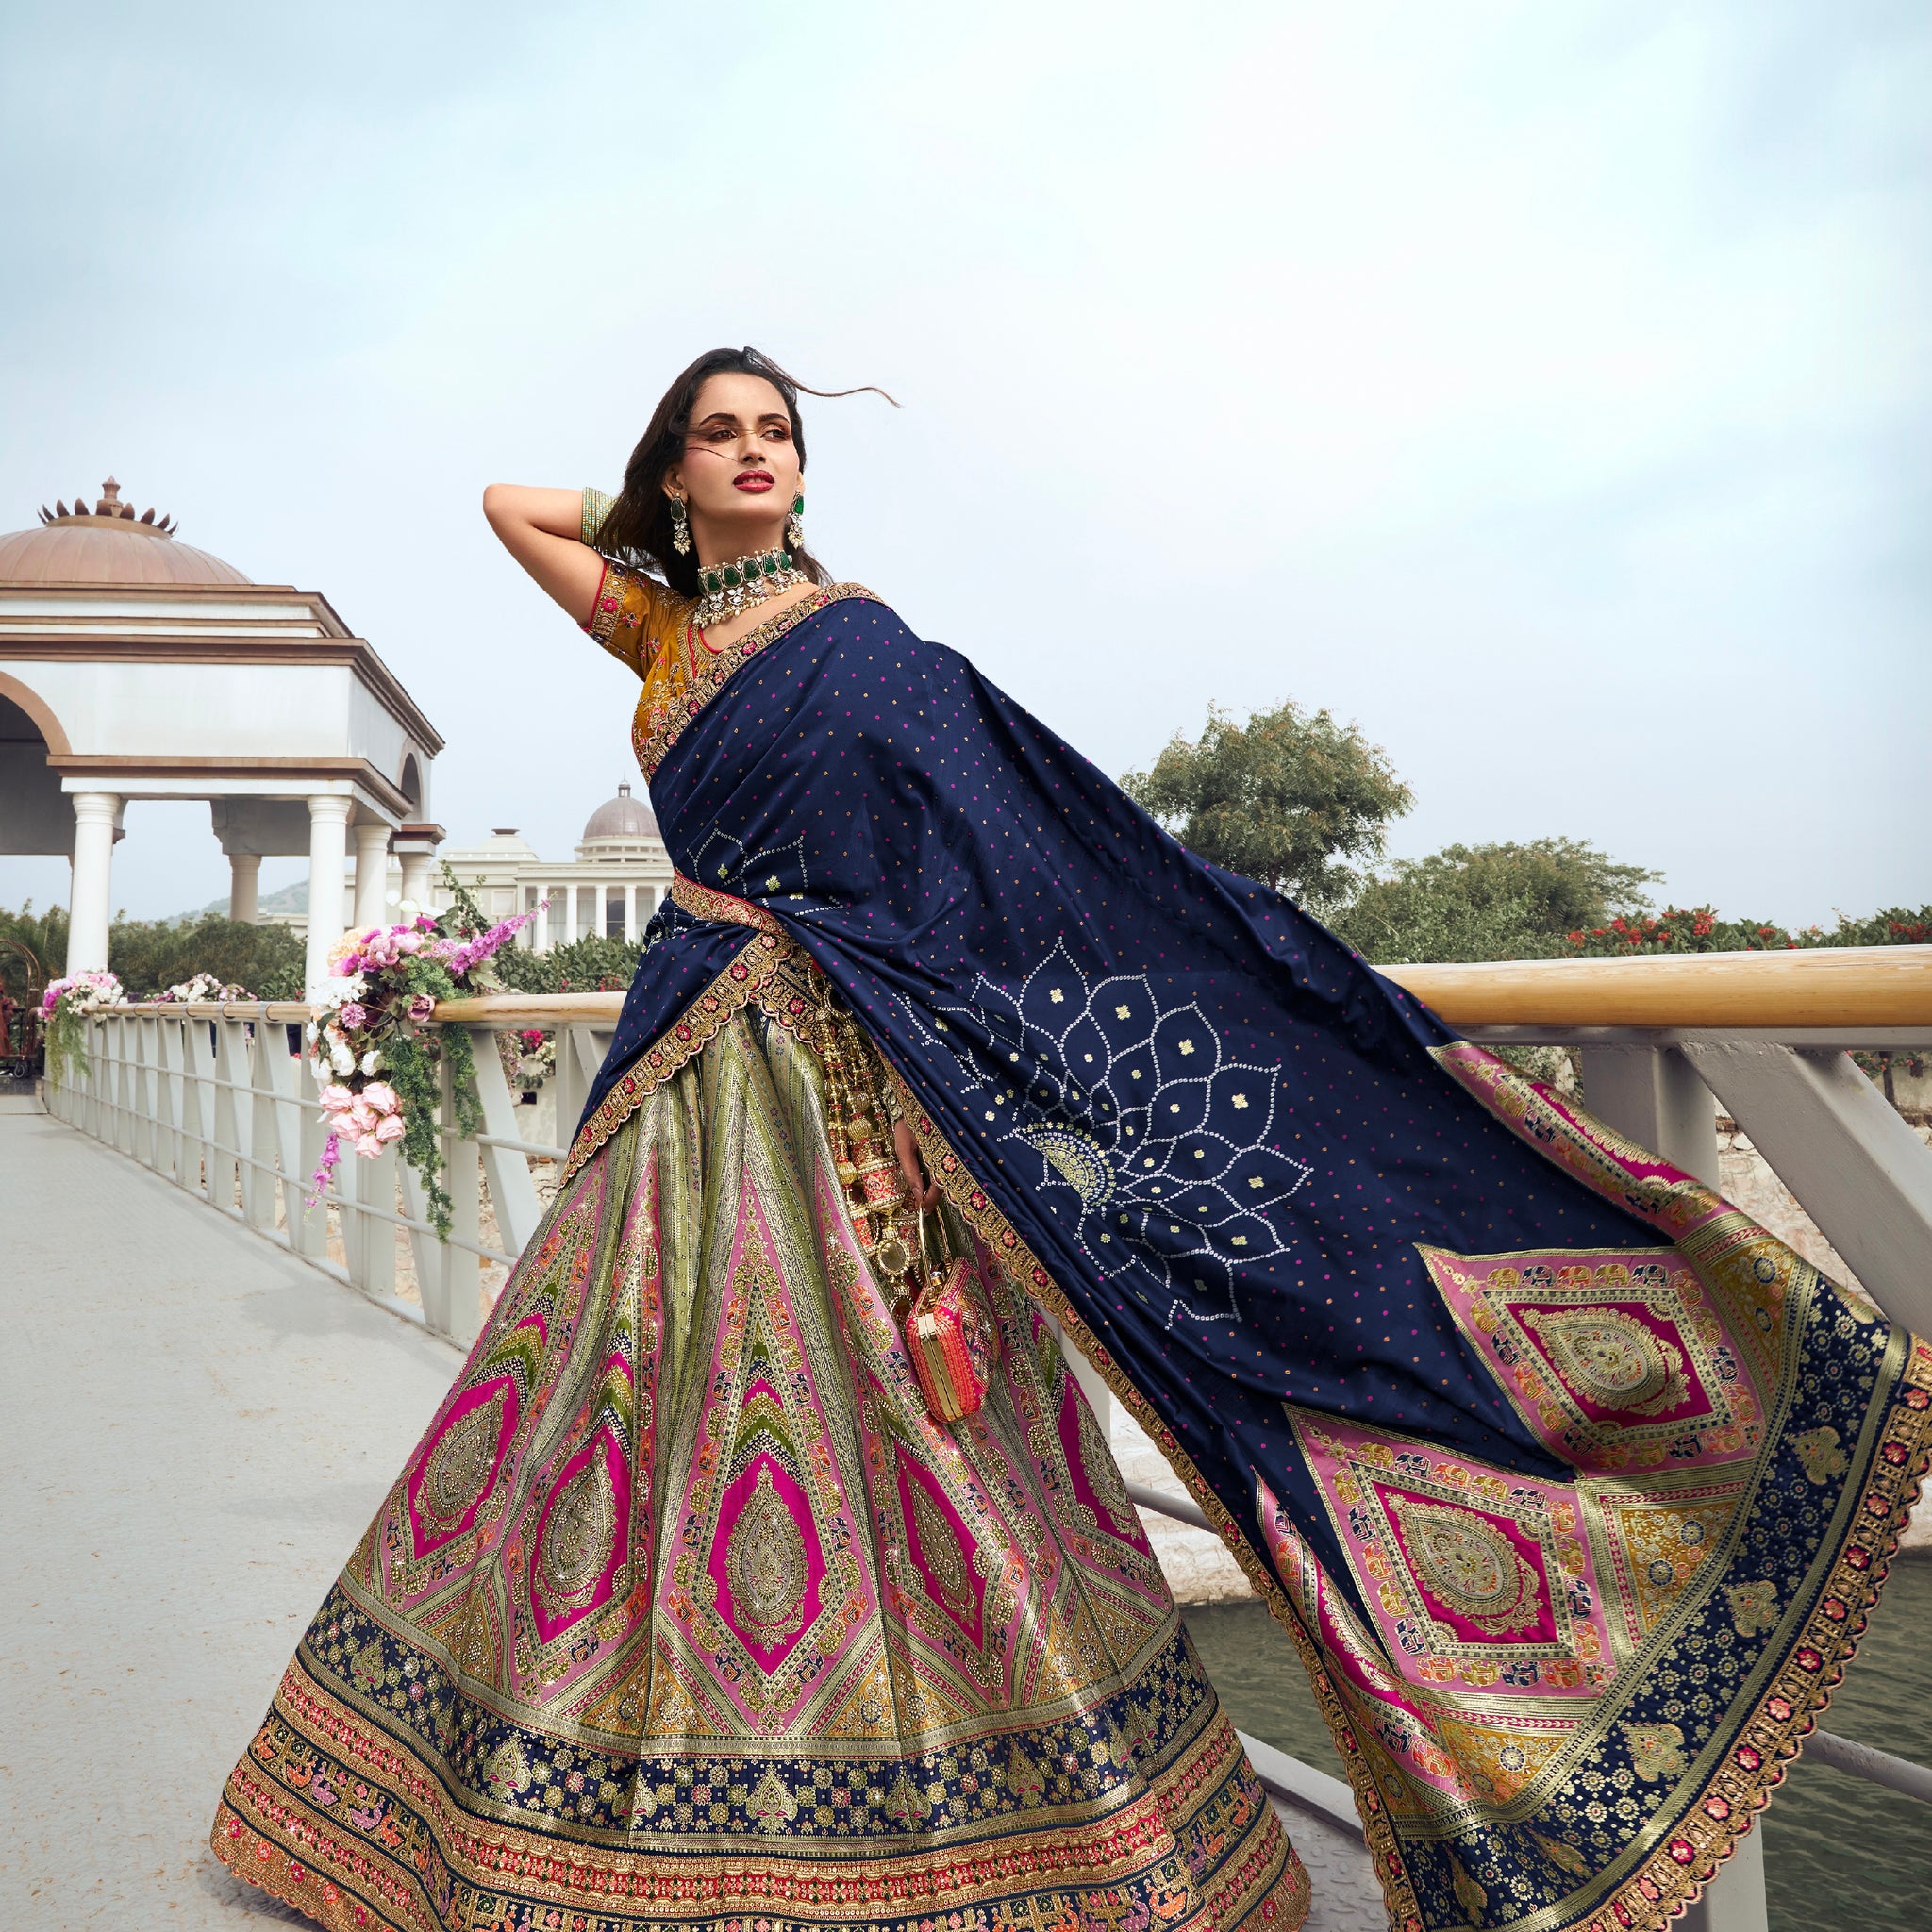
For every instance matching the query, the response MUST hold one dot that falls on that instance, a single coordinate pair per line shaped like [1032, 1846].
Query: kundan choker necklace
[730, 588]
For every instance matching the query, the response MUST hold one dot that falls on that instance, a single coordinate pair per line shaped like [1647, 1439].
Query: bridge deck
[198, 1429]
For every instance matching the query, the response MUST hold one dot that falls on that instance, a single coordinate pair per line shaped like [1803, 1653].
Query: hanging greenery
[373, 1053]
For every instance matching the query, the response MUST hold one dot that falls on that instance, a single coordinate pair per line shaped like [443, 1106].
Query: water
[1840, 1854]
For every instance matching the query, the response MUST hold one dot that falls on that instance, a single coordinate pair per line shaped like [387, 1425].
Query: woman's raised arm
[543, 530]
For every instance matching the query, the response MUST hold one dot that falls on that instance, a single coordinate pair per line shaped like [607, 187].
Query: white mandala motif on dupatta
[1152, 1145]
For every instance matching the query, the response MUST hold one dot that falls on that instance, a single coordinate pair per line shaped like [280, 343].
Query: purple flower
[422, 1006]
[319, 1181]
[353, 1017]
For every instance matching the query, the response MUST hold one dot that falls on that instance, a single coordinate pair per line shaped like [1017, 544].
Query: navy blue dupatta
[1333, 1259]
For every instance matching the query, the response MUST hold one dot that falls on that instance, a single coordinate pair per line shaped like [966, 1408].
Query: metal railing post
[197, 1071]
[459, 1276]
[225, 1168]
[260, 1177]
[144, 1051]
[1861, 1174]
[1653, 1094]
[1734, 1900]
[169, 1033]
[512, 1194]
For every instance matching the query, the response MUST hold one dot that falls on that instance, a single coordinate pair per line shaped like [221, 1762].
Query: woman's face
[740, 471]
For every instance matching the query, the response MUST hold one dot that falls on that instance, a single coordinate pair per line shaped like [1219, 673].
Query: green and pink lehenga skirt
[685, 1614]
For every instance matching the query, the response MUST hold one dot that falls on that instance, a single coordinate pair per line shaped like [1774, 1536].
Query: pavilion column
[245, 886]
[415, 848]
[96, 816]
[328, 854]
[371, 874]
[417, 874]
[542, 927]
[630, 915]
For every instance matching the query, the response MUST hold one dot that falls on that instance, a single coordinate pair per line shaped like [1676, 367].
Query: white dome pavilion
[135, 666]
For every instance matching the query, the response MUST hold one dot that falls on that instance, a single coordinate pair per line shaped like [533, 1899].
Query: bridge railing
[217, 1099]
[1663, 1040]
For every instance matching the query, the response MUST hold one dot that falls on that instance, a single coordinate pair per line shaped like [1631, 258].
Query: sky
[1545, 389]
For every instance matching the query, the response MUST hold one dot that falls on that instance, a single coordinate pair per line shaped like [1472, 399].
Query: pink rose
[381, 1096]
[362, 1117]
[408, 941]
[422, 1006]
[337, 1098]
[368, 1146]
[353, 1017]
[389, 1128]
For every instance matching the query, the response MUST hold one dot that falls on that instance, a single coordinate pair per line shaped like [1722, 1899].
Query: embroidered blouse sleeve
[631, 617]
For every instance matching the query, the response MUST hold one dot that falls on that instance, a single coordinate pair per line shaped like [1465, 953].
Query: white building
[134, 666]
[618, 877]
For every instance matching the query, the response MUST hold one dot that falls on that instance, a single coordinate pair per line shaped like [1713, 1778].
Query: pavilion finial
[108, 509]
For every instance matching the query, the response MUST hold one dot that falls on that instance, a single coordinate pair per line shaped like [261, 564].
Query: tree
[1501, 900]
[44, 935]
[592, 964]
[1291, 798]
[149, 955]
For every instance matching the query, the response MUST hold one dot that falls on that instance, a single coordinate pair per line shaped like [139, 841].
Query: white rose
[371, 1060]
[340, 1058]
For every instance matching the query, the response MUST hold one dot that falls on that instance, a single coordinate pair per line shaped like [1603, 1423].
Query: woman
[1572, 1486]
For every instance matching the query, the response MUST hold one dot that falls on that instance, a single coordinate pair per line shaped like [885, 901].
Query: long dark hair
[639, 526]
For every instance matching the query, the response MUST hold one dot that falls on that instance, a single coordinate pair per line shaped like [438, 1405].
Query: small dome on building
[505, 843]
[623, 817]
[106, 545]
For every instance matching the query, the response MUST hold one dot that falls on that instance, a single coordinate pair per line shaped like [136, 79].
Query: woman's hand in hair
[541, 529]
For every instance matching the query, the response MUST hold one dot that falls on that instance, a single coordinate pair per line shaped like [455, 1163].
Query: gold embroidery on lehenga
[577, 1538]
[947, 1574]
[766, 1566]
[1104, 1476]
[1657, 1750]
[1818, 1452]
[460, 1464]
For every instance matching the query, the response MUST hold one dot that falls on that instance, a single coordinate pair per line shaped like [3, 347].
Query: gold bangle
[596, 507]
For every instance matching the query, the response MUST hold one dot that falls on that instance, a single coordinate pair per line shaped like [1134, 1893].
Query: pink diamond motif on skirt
[942, 1549]
[460, 1466]
[767, 1562]
[583, 1537]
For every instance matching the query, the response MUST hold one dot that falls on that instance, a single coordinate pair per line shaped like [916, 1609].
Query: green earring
[794, 523]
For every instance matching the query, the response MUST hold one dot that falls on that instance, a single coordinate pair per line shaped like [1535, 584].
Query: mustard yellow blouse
[647, 625]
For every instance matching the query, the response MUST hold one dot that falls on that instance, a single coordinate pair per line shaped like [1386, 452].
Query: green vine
[65, 1039]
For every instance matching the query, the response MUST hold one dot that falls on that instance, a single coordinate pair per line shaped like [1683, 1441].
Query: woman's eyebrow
[718, 416]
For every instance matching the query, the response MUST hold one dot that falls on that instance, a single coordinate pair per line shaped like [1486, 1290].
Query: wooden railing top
[1827, 987]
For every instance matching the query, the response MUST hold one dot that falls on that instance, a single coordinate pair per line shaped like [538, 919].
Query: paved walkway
[196, 1429]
